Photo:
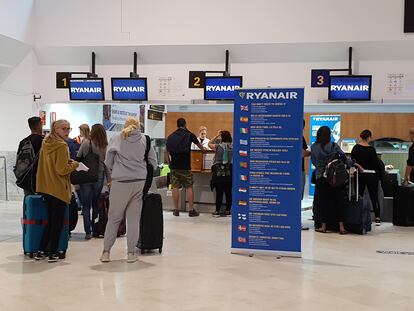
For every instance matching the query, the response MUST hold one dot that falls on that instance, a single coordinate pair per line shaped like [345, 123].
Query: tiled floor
[197, 272]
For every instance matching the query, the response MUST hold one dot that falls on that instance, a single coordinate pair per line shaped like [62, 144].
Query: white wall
[16, 104]
[16, 19]
[166, 22]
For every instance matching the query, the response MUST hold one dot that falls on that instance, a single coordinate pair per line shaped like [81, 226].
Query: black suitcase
[389, 184]
[357, 215]
[152, 224]
[403, 209]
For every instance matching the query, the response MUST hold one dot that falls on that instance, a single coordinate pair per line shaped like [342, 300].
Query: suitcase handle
[356, 173]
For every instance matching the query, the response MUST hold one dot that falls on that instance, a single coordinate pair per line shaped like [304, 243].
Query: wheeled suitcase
[73, 213]
[357, 215]
[100, 222]
[403, 209]
[34, 221]
[152, 224]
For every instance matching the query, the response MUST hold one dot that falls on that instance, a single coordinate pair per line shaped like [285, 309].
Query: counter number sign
[196, 79]
[62, 80]
[320, 78]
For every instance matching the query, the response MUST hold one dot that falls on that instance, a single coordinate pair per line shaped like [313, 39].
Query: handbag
[91, 160]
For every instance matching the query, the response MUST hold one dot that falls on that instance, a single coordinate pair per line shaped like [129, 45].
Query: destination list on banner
[267, 170]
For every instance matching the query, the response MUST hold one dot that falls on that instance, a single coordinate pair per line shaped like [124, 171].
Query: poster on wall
[42, 116]
[114, 116]
[52, 117]
[316, 121]
[266, 205]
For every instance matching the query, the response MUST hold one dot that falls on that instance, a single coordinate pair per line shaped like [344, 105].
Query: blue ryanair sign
[350, 88]
[129, 89]
[86, 89]
[221, 88]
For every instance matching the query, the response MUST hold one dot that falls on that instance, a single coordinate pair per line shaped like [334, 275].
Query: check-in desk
[204, 198]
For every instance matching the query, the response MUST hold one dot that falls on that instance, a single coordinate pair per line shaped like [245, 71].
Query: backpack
[25, 163]
[336, 173]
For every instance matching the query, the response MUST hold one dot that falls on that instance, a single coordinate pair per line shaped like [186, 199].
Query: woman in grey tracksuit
[126, 163]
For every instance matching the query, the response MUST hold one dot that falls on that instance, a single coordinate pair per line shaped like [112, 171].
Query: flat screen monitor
[221, 88]
[86, 89]
[129, 89]
[350, 88]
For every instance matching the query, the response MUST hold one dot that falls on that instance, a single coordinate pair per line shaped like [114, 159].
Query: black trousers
[223, 188]
[51, 235]
[329, 202]
[370, 181]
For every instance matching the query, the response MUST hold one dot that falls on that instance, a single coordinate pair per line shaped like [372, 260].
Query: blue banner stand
[267, 157]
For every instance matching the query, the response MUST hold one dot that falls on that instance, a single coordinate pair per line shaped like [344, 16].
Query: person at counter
[222, 144]
[202, 138]
[179, 161]
[408, 175]
[366, 156]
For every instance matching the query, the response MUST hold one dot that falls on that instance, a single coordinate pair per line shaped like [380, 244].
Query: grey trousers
[124, 199]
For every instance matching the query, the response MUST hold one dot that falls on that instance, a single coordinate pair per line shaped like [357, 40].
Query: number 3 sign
[320, 78]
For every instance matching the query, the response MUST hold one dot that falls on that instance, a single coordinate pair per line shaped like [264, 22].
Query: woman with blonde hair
[53, 181]
[125, 159]
[89, 192]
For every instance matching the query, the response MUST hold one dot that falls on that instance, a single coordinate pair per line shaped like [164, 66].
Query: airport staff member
[202, 138]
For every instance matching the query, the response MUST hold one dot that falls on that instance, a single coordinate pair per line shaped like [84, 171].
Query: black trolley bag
[403, 209]
[151, 233]
[357, 215]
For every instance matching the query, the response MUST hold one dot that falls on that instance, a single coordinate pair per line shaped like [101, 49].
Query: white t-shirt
[204, 144]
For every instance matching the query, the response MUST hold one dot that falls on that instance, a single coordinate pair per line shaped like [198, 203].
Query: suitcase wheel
[31, 255]
[142, 251]
[160, 250]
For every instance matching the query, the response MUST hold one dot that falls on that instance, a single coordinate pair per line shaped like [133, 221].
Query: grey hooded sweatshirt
[125, 157]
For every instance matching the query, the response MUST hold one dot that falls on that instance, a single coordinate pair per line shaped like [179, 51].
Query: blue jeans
[89, 196]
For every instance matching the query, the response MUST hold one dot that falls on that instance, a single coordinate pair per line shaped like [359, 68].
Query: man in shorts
[179, 160]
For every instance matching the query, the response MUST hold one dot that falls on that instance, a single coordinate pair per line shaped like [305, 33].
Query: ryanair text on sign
[217, 88]
[350, 88]
[129, 89]
[86, 89]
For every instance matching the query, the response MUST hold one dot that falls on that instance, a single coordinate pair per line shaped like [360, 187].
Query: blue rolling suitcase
[35, 218]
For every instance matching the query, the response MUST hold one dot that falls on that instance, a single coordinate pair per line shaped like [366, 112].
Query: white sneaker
[105, 257]
[132, 257]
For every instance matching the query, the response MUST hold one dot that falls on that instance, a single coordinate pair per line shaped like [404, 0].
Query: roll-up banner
[316, 121]
[267, 155]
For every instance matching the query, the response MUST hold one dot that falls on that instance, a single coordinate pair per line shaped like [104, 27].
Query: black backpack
[335, 172]
[91, 160]
[26, 165]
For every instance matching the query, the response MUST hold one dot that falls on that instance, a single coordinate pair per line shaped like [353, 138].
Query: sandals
[321, 230]
[343, 232]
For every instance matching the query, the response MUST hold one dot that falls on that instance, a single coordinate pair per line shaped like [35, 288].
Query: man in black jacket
[36, 138]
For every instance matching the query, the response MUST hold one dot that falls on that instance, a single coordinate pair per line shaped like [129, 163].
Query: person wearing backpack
[327, 195]
[125, 160]
[27, 155]
[366, 155]
[89, 192]
[222, 144]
